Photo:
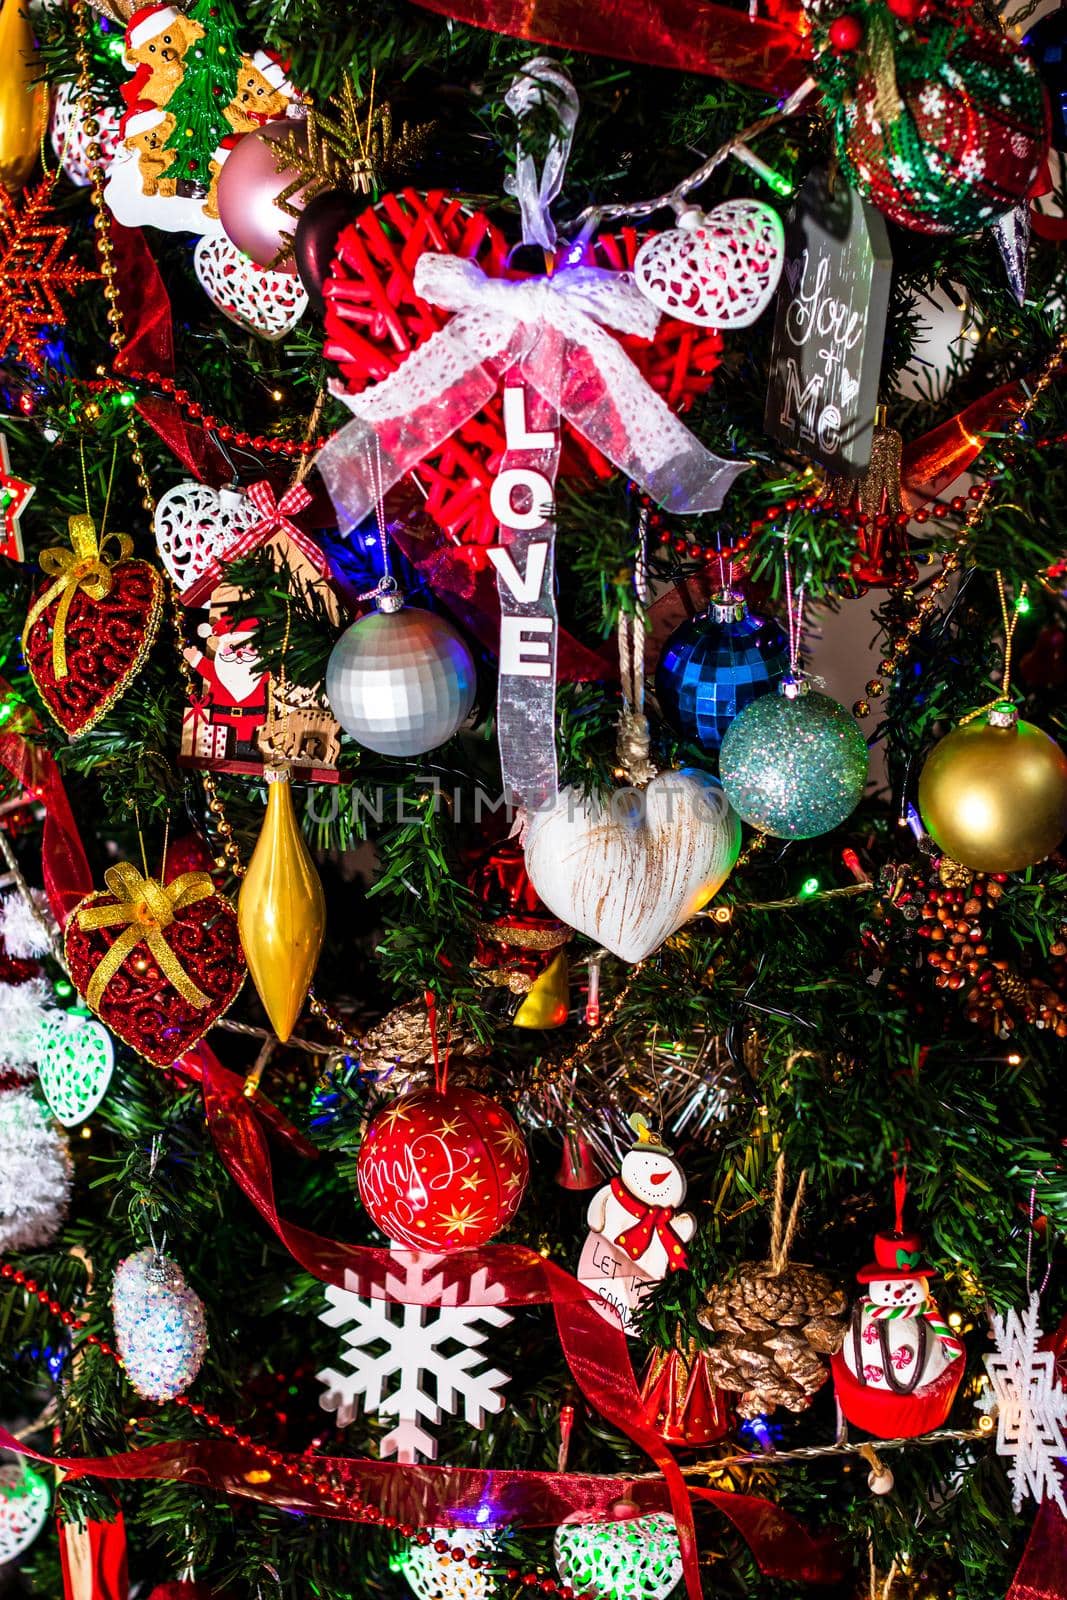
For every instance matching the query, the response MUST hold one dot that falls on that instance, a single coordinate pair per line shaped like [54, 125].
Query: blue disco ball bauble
[794, 763]
[715, 665]
[400, 681]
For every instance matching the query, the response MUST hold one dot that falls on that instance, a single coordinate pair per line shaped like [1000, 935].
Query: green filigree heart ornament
[75, 1060]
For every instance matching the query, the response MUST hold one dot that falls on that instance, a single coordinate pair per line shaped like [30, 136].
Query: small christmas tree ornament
[160, 1329]
[269, 304]
[944, 128]
[75, 1060]
[15, 496]
[91, 624]
[993, 793]
[715, 665]
[638, 1232]
[23, 96]
[897, 1373]
[635, 1560]
[281, 910]
[794, 763]
[400, 681]
[776, 1320]
[35, 1172]
[24, 1503]
[442, 1168]
[173, 949]
[429, 1577]
[718, 270]
[680, 1399]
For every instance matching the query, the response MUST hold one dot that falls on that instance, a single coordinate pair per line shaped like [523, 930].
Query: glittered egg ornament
[794, 763]
[993, 793]
[442, 1169]
[159, 1325]
[636, 1560]
[401, 681]
[715, 665]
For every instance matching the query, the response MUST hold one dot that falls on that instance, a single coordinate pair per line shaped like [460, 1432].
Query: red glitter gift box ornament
[374, 319]
[91, 625]
[158, 963]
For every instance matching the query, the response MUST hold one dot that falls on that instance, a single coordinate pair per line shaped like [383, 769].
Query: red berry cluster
[315, 1473]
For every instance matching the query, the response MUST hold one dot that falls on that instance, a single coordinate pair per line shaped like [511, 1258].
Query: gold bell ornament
[23, 100]
[281, 911]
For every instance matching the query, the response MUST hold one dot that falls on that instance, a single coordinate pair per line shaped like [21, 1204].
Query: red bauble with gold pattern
[442, 1169]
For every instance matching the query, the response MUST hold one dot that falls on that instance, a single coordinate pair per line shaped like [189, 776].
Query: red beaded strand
[324, 1479]
[207, 419]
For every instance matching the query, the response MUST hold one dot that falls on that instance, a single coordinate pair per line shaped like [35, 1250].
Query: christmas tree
[533, 918]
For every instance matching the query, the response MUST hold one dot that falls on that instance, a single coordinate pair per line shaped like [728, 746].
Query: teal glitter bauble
[794, 763]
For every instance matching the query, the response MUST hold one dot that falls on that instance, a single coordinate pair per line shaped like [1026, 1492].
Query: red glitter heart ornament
[164, 958]
[374, 319]
[90, 626]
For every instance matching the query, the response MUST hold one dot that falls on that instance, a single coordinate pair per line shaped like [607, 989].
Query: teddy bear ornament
[638, 1231]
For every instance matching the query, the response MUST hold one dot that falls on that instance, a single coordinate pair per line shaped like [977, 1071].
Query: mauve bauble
[249, 184]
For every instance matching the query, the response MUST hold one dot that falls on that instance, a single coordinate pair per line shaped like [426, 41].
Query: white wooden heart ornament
[70, 140]
[195, 527]
[718, 270]
[24, 1502]
[75, 1060]
[630, 869]
[268, 303]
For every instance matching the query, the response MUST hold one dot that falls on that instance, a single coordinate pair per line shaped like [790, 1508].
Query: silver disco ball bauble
[400, 681]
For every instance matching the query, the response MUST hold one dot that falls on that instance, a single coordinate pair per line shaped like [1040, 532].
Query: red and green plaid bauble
[945, 129]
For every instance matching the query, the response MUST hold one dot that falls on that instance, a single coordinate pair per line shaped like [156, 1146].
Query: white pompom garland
[35, 1173]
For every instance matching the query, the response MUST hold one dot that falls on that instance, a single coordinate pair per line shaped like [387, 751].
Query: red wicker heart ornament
[374, 319]
[196, 939]
[106, 641]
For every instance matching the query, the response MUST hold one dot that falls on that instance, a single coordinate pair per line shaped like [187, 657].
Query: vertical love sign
[522, 498]
[826, 354]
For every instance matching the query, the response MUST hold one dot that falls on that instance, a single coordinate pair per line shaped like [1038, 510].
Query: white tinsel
[22, 933]
[35, 1173]
[23, 1007]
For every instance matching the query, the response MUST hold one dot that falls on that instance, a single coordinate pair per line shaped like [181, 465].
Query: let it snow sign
[826, 354]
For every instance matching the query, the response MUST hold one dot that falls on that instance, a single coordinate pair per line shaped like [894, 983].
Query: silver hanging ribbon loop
[542, 82]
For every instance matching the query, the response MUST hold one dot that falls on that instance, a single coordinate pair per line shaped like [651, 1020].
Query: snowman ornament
[638, 1233]
[897, 1373]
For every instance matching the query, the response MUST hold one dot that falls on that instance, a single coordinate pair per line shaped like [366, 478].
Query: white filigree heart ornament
[75, 1060]
[196, 527]
[630, 869]
[717, 270]
[263, 302]
[70, 140]
[24, 1502]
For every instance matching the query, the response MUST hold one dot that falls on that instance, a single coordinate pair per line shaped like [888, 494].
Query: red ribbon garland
[650, 1220]
[67, 877]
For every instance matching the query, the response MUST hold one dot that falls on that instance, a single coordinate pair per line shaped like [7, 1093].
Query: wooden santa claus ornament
[897, 1373]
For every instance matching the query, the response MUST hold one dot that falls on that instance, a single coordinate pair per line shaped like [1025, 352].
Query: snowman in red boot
[638, 1233]
[897, 1373]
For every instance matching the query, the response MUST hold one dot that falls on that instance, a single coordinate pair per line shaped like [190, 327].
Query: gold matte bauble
[23, 100]
[281, 912]
[993, 793]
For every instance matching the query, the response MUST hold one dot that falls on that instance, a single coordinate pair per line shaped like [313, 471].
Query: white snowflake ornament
[430, 1578]
[430, 1354]
[1030, 1407]
[266, 303]
[75, 1060]
[196, 527]
[23, 1509]
[718, 270]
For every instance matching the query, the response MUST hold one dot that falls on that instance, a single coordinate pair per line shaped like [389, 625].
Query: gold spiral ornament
[993, 793]
[281, 911]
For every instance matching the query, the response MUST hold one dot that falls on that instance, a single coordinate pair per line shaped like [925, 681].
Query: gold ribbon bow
[84, 566]
[146, 906]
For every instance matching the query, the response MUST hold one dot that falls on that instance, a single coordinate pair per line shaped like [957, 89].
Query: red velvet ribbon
[685, 35]
[67, 878]
[93, 1558]
[595, 1349]
[1042, 1572]
[650, 1220]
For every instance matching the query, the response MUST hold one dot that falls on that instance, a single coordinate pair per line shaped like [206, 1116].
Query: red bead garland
[207, 419]
[326, 1475]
